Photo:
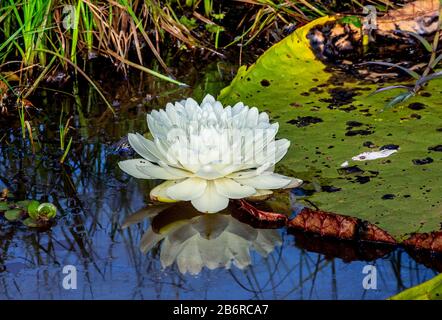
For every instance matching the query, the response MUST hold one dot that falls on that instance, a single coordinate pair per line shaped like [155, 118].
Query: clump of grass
[86, 28]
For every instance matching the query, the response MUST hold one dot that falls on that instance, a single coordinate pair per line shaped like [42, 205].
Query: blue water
[110, 264]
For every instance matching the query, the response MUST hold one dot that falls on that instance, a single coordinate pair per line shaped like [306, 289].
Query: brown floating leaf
[371, 232]
[247, 213]
[427, 241]
[325, 224]
[332, 225]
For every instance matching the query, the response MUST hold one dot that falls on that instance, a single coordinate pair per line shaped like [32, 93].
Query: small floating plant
[30, 213]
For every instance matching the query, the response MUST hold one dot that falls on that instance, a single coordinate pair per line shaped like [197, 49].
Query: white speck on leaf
[373, 155]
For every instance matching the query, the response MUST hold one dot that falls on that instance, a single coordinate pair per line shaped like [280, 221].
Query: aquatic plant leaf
[399, 98]
[429, 77]
[429, 290]
[330, 117]
[33, 209]
[23, 204]
[436, 61]
[31, 223]
[13, 214]
[391, 88]
[4, 206]
[353, 20]
[47, 210]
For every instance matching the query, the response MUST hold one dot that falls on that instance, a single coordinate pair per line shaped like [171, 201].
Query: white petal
[243, 174]
[294, 183]
[282, 146]
[140, 148]
[262, 146]
[263, 117]
[232, 189]
[172, 114]
[237, 108]
[252, 117]
[210, 201]
[266, 181]
[154, 129]
[189, 189]
[157, 172]
[175, 171]
[208, 99]
[149, 147]
[159, 192]
[260, 195]
[273, 153]
[191, 107]
[130, 167]
[218, 108]
[209, 172]
[250, 173]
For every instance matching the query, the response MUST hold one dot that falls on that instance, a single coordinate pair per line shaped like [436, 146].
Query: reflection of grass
[92, 239]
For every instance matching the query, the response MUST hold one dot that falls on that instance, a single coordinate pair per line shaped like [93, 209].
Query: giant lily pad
[429, 290]
[330, 119]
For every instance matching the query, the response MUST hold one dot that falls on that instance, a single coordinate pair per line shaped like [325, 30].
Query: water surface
[94, 197]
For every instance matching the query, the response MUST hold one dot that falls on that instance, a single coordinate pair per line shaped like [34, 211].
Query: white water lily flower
[209, 154]
[212, 241]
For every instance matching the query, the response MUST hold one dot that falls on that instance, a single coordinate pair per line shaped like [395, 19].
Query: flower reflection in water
[195, 240]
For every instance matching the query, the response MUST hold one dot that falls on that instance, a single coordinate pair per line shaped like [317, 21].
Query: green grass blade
[415, 75]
